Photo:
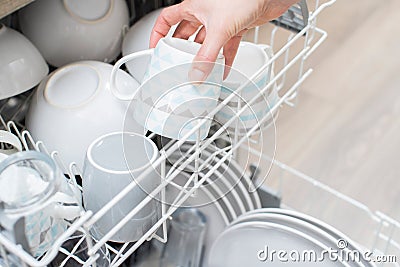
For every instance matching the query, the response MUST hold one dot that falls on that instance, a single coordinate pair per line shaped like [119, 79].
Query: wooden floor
[345, 130]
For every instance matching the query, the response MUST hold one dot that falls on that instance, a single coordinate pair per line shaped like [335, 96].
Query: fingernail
[196, 75]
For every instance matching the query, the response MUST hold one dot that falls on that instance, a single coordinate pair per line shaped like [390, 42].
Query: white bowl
[65, 31]
[137, 39]
[74, 105]
[22, 66]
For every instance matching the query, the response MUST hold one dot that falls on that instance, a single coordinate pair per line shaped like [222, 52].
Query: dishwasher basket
[377, 232]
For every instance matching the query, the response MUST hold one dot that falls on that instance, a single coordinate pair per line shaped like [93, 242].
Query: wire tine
[26, 136]
[120, 252]
[4, 255]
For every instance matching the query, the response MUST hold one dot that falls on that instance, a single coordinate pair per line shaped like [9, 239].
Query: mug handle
[9, 138]
[113, 84]
[68, 212]
[267, 49]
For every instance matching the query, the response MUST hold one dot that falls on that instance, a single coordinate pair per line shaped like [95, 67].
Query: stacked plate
[224, 196]
[283, 238]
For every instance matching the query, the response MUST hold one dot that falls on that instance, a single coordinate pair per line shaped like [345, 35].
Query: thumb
[203, 62]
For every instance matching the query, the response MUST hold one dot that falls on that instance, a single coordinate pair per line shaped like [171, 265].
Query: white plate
[324, 226]
[227, 190]
[298, 224]
[240, 245]
[217, 187]
[248, 184]
[237, 177]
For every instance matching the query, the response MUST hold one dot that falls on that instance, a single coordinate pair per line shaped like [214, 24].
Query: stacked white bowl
[74, 106]
[22, 66]
[65, 31]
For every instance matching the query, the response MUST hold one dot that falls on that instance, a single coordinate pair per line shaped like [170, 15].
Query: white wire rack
[289, 57]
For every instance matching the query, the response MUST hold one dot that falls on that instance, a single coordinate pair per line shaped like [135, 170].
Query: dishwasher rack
[288, 57]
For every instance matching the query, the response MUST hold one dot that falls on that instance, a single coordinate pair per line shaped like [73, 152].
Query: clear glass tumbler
[185, 239]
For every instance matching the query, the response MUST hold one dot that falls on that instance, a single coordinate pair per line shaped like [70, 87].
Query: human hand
[223, 24]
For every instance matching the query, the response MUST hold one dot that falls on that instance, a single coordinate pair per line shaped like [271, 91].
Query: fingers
[230, 51]
[230, 48]
[186, 29]
[168, 17]
[203, 62]
[201, 35]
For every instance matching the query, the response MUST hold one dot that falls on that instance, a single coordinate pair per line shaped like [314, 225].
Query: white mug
[167, 103]
[113, 162]
[249, 60]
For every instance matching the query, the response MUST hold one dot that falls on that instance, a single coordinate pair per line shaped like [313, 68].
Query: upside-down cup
[252, 73]
[168, 103]
[114, 162]
[253, 115]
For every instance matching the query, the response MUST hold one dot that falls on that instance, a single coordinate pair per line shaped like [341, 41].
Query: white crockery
[137, 39]
[228, 192]
[113, 162]
[240, 245]
[320, 224]
[21, 65]
[74, 105]
[235, 178]
[65, 31]
[250, 59]
[169, 103]
[240, 174]
[251, 116]
[221, 189]
[298, 224]
[10, 139]
[227, 187]
[238, 178]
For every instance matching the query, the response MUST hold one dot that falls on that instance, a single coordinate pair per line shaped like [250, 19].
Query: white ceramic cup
[113, 162]
[137, 39]
[251, 117]
[66, 31]
[249, 60]
[74, 106]
[168, 103]
[21, 65]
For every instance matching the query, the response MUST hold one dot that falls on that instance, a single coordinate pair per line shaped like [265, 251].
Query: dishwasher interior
[286, 188]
